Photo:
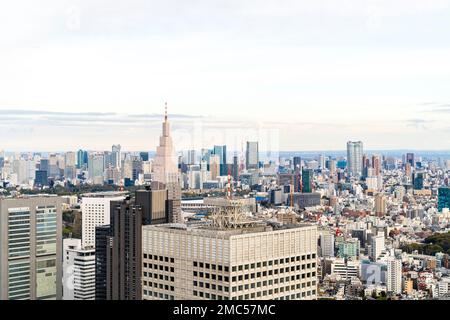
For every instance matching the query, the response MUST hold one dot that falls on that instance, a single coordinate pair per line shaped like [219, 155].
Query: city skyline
[319, 74]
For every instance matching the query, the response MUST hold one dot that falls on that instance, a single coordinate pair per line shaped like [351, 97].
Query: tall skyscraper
[30, 248]
[124, 247]
[252, 155]
[221, 152]
[166, 169]
[116, 155]
[354, 158]
[102, 234]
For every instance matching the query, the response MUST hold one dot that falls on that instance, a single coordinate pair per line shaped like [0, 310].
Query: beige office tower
[30, 248]
[165, 169]
[229, 259]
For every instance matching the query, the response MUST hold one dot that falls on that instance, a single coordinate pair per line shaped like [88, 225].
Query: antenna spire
[165, 112]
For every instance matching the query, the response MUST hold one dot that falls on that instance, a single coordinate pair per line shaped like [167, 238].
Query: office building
[96, 211]
[229, 260]
[354, 158]
[252, 155]
[307, 180]
[78, 271]
[156, 206]
[30, 248]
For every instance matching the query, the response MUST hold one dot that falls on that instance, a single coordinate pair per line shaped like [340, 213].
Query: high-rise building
[297, 163]
[380, 204]
[229, 263]
[95, 211]
[221, 152]
[96, 167]
[394, 276]
[410, 159]
[235, 168]
[214, 166]
[155, 204]
[102, 234]
[124, 257]
[377, 246]
[191, 157]
[418, 180]
[327, 244]
[376, 164]
[30, 248]
[307, 180]
[166, 169]
[252, 155]
[41, 178]
[443, 198]
[78, 271]
[116, 155]
[354, 158]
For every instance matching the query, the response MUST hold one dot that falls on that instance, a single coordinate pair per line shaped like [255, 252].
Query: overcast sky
[303, 75]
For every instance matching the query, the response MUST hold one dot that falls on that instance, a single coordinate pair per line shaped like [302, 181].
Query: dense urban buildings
[151, 225]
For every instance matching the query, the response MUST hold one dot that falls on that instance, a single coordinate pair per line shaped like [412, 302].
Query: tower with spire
[165, 168]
